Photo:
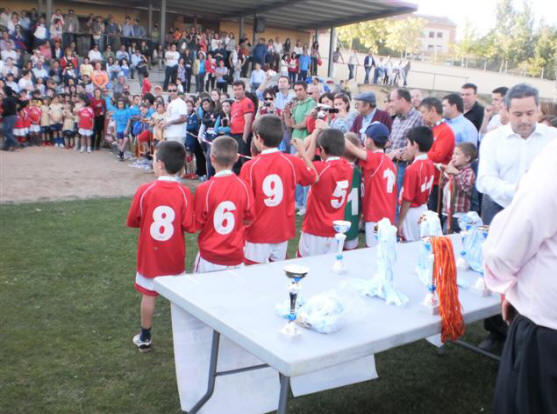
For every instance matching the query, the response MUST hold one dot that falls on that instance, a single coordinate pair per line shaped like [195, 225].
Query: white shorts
[411, 226]
[265, 252]
[85, 132]
[351, 244]
[204, 266]
[35, 128]
[371, 234]
[20, 132]
[311, 245]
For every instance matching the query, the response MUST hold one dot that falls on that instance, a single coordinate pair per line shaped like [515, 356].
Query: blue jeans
[301, 192]
[9, 122]
[377, 73]
[367, 69]
[351, 71]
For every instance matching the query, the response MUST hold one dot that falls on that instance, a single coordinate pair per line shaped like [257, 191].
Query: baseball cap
[367, 97]
[378, 132]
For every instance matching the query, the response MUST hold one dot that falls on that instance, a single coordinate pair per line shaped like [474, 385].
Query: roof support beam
[263, 8]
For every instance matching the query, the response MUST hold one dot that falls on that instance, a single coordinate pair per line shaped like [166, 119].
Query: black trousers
[527, 378]
[243, 148]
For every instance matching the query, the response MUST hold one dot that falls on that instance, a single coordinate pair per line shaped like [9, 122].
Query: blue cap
[367, 97]
[378, 132]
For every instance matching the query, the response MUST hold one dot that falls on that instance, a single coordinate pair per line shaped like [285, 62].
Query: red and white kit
[86, 120]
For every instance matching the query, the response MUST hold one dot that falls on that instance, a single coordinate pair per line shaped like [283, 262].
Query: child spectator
[56, 109]
[327, 197]
[45, 122]
[121, 116]
[34, 114]
[379, 178]
[192, 128]
[146, 85]
[163, 210]
[460, 180]
[86, 122]
[352, 210]
[417, 184]
[223, 207]
[20, 130]
[68, 125]
[272, 177]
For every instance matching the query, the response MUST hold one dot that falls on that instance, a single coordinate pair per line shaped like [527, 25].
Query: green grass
[69, 310]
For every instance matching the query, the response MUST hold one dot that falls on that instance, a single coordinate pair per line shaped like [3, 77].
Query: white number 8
[223, 219]
[273, 189]
[340, 192]
[162, 229]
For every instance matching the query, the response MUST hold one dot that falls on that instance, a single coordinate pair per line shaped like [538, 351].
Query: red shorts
[145, 136]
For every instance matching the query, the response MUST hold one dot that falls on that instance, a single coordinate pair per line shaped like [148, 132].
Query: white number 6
[223, 219]
[162, 229]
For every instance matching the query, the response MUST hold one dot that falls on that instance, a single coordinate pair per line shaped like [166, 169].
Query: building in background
[438, 36]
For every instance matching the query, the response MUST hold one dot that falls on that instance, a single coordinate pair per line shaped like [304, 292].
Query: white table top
[240, 305]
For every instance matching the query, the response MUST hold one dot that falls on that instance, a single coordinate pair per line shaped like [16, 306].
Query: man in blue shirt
[464, 130]
[259, 52]
[304, 61]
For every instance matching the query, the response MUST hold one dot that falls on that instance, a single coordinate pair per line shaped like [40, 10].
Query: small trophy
[480, 287]
[431, 301]
[295, 273]
[341, 227]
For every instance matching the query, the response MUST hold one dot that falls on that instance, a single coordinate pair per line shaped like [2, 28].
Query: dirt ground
[46, 174]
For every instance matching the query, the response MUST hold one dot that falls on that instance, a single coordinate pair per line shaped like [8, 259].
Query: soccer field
[69, 311]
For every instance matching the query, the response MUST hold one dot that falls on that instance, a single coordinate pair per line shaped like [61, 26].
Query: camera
[267, 104]
[323, 110]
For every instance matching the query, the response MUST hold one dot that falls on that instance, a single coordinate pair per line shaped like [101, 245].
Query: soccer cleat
[143, 346]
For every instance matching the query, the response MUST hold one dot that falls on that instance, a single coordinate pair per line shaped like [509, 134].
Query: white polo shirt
[174, 111]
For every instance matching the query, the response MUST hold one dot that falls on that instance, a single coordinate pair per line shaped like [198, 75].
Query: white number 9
[223, 219]
[273, 189]
[161, 228]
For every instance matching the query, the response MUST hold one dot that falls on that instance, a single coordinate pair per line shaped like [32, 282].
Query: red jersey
[26, 117]
[418, 181]
[86, 118]
[146, 87]
[237, 112]
[379, 178]
[443, 146]
[34, 113]
[273, 176]
[327, 197]
[222, 207]
[98, 106]
[163, 210]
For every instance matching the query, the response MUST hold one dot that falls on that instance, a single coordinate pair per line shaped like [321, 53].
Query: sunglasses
[172, 90]
[269, 99]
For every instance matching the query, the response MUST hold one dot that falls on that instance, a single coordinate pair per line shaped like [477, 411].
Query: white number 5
[340, 192]
[223, 219]
[162, 229]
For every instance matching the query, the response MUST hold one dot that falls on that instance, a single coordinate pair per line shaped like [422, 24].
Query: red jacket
[443, 146]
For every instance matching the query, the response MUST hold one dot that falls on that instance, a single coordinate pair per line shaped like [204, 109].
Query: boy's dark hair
[302, 83]
[455, 99]
[354, 139]
[269, 128]
[224, 150]
[423, 136]
[404, 93]
[239, 83]
[332, 142]
[173, 154]
[469, 150]
[470, 85]
[432, 102]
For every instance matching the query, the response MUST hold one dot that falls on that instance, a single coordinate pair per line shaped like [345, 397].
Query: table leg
[473, 348]
[212, 374]
[283, 397]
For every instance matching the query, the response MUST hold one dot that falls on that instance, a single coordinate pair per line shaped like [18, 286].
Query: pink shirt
[521, 249]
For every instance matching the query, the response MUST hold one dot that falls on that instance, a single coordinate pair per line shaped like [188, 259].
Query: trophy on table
[431, 300]
[480, 287]
[295, 273]
[341, 227]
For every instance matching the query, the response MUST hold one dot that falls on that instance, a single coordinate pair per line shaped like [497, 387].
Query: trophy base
[290, 330]
[338, 267]
[431, 303]
[480, 288]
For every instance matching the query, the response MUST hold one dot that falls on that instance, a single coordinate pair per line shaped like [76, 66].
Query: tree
[370, 34]
[543, 62]
[468, 46]
[405, 36]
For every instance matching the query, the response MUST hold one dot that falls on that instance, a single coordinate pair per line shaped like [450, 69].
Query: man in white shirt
[171, 57]
[520, 256]
[505, 155]
[175, 125]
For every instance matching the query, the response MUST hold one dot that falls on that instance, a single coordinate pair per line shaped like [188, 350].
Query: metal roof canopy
[288, 14]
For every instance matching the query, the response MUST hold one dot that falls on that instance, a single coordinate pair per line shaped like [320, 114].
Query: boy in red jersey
[273, 176]
[327, 197]
[223, 207]
[379, 178]
[34, 112]
[163, 210]
[417, 184]
[85, 122]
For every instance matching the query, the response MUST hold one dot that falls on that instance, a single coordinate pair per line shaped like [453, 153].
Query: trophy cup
[341, 227]
[431, 301]
[295, 273]
[480, 287]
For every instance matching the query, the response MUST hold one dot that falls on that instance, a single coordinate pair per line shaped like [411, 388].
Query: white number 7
[340, 192]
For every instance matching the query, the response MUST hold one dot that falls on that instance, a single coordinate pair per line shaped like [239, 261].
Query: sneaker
[82, 149]
[89, 149]
[121, 156]
[143, 346]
